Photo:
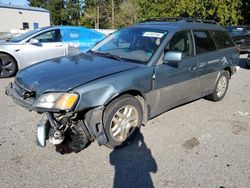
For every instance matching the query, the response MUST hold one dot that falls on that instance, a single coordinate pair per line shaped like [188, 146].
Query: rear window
[222, 39]
[203, 42]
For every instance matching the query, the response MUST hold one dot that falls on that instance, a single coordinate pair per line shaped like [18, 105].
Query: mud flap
[93, 120]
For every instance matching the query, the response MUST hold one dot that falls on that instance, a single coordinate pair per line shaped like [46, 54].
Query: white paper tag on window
[153, 34]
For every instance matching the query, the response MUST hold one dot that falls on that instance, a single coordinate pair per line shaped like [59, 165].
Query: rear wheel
[122, 118]
[220, 88]
[8, 66]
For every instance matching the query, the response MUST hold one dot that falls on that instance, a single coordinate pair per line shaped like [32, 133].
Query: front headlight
[58, 101]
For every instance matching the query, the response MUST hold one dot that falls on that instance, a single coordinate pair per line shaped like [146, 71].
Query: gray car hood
[66, 73]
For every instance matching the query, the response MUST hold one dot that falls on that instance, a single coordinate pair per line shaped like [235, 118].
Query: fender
[17, 57]
[100, 92]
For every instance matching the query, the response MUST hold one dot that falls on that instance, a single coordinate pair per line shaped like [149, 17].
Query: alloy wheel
[123, 122]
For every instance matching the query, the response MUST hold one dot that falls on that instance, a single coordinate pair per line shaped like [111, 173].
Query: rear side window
[222, 39]
[203, 42]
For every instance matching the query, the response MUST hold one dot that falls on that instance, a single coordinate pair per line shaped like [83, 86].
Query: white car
[43, 44]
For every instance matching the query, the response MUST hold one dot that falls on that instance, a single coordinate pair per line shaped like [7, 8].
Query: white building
[13, 17]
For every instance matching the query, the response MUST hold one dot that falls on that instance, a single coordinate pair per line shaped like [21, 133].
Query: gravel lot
[201, 144]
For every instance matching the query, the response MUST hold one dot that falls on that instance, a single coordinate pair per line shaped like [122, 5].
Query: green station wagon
[128, 78]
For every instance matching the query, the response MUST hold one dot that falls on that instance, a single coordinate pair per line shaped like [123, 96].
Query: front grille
[24, 93]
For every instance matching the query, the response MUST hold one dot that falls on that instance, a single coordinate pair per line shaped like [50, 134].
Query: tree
[72, 12]
[38, 3]
[56, 8]
[62, 12]
[128, 13]
[245, 9]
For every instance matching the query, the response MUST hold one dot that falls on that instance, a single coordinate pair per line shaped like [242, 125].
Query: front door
[50, 46]
[176, 83]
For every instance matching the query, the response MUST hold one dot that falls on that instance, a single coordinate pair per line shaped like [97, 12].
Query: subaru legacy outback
[125, 80]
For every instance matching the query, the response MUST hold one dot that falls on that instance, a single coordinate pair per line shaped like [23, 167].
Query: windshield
[235, 31]
[21, 37]
[134, 44]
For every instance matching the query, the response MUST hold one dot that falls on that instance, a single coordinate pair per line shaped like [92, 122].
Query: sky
[15, 2]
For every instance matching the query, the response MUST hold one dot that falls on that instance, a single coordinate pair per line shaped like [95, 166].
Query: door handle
[193, 68]
[221, 60]
[60, 45]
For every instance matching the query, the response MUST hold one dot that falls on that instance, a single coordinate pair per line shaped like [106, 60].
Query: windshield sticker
[153, 34]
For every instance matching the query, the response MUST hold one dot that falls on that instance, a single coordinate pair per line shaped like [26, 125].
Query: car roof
[60, 26]
[68, 27]
[230, 26]
[179, 25]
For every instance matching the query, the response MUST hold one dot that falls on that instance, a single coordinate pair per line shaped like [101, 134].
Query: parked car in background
[248, 60]
[43, 44]
[241, 36]
[125, 80]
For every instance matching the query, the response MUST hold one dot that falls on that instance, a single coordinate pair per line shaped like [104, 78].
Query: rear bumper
[25, 103]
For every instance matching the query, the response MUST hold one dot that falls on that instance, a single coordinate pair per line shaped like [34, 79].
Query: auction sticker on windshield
[153, 34]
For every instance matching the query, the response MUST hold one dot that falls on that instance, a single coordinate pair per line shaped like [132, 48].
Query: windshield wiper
[108, 55]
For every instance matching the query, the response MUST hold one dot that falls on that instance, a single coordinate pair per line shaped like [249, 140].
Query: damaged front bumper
[73, 129]
[18, 97]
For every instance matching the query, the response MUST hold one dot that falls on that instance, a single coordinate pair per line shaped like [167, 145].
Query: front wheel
[8, 66]
[220, 88]
[121, 119]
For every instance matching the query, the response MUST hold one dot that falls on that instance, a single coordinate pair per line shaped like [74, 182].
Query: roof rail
[180, 19]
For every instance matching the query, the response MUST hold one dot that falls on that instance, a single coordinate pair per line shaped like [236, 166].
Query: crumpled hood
[66, 73]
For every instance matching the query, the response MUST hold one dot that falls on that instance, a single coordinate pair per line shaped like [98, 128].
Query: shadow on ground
[133, 164]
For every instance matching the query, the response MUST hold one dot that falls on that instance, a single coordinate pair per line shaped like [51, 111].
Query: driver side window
[50, 36]
[181, 42]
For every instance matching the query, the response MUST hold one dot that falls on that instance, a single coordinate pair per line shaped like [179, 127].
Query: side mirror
[34, 41]
[172, 57]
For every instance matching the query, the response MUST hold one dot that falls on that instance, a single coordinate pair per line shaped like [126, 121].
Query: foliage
[245, 12]
[98, 13]
[63, 12]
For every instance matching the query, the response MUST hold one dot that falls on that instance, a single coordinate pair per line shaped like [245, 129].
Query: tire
[122, 119]
[220, 88]
[8, 66]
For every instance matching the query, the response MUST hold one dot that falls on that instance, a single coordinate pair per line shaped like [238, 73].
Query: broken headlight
[58, 101]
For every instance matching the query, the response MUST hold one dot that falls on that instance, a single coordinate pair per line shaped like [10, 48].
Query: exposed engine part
[75, 139]
[56, 137]
[68, 133]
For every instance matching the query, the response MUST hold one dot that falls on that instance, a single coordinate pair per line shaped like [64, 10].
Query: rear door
[210, 60]
[50, 46]
[176, 83]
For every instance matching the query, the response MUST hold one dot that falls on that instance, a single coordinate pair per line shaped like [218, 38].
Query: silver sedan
[42, 44]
